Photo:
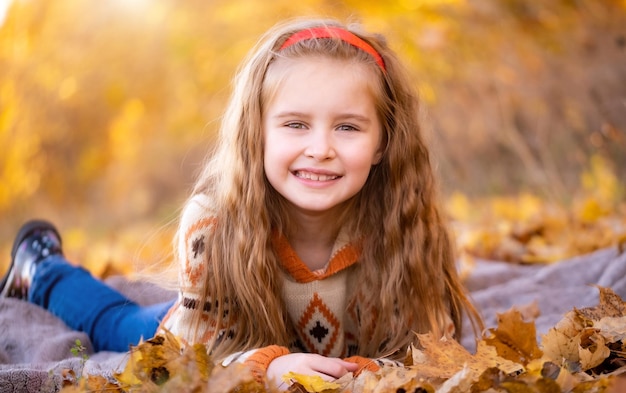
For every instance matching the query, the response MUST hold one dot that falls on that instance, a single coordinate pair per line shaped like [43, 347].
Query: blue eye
[347, 127]
[295, 125]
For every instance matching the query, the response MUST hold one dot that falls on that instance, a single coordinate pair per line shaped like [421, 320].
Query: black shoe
[35, 241]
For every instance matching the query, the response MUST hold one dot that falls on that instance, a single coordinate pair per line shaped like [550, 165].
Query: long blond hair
[408, 261]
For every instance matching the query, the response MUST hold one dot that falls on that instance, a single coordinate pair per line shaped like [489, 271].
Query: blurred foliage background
[107, 108]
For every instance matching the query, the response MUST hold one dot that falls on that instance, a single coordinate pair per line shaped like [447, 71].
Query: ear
[383, 142]
[378, 156]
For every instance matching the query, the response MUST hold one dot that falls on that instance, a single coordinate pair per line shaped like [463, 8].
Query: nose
[320, 145]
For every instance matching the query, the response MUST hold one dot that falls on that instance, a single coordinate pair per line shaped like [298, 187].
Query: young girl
[313, 241]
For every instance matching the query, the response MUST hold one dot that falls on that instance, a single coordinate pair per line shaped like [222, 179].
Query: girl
[313, 240]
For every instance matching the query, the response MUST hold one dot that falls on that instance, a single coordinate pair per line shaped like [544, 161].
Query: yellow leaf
[127, 378]
[542, 368]
[202, 359]
[597, 385]
[458, 206]
[312, 383]
[151, 361]
[591, 210]
[600, 180]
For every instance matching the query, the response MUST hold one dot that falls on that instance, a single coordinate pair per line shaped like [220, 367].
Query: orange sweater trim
[345, 257]
[260, 360]
[364, 364]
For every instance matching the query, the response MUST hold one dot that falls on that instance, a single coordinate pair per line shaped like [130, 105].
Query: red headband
[334, 32]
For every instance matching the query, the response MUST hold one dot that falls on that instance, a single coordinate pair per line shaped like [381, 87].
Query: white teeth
[315, 176]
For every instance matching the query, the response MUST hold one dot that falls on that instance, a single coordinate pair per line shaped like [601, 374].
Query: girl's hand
[308, 364]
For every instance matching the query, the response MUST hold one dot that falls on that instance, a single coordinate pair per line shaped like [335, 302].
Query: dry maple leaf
[235, 378]
[515, 339]
[495, 380]
[388, 379]
[613, 329]
[460, 382]
[441, 359]
[580, 352]
[310, 383]
[579, 341]
[97, 383]
[601, 385]
[541, 368]
[93, 383]
[161, 360]
[611, 305]
[576, 357]
[561, 348]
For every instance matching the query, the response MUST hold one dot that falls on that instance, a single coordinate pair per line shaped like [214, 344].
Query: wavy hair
[408, 258]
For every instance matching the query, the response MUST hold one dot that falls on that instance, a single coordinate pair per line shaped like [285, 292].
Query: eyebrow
[342, 117]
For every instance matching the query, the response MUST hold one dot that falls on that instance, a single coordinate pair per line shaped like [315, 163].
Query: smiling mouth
[315, 176]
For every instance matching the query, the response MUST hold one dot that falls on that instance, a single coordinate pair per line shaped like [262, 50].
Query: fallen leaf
[594, 355]
[560, 347]
[441, 359]
[235, 378]
[600, 385]
[394, 379]
[460, 382]
[161, 359]
[581, 337]
[514, 339]
[311, 383]
[613, 329]
[611, 305]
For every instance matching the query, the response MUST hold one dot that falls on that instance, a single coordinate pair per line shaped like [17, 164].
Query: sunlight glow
[4, 7]
[132, 5]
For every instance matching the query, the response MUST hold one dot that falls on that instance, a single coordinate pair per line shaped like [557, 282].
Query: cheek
[267, 160]
[365, 155]
[269, 149]
[273, 160]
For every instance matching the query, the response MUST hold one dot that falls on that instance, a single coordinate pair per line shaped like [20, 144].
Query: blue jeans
[85, 303]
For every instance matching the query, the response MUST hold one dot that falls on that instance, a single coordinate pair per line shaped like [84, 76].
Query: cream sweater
[315, 300]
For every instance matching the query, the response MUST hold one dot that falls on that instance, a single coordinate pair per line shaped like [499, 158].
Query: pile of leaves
[550, 233]
[584, 352]
[527, 228]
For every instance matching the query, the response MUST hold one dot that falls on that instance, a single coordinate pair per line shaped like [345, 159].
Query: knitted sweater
[315, 300]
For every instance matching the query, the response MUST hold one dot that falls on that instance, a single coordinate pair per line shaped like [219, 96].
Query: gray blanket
[36, 347]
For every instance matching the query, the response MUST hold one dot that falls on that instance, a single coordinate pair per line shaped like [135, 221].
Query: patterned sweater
[315, 300]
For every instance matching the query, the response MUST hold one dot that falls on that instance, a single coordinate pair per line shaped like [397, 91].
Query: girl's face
[322, 133]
